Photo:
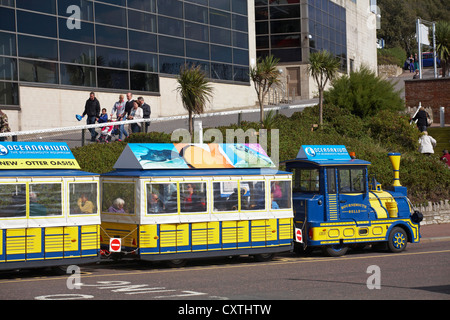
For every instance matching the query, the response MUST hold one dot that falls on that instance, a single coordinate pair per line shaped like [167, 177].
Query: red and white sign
[115, 244]
[298, 235]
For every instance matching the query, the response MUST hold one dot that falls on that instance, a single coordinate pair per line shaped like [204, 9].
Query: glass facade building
[279, 28]
[119, 44]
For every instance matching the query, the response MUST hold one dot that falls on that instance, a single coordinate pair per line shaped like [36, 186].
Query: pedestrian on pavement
[4, 125]
[119, 109]
[426, 144]
[422, 119]
[146, 111]
[92, 110]
[135, 114]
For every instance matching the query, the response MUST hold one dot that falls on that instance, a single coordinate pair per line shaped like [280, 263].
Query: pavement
[435, 232]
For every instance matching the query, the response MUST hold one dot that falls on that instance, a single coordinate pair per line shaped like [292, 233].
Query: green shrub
[395, 56]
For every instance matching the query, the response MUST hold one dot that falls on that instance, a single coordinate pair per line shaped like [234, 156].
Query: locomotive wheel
[397, 240]
[336, 250]
[263, 257]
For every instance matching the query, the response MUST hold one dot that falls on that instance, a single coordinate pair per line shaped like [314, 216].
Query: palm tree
[264, 75]
[194, 90]
[443, 45]
[323, 67]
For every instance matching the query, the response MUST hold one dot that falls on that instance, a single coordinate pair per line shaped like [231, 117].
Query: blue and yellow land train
[175, 202]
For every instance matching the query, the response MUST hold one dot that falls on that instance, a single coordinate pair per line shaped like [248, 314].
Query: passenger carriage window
[225, 196]
[162, 198]
[280, 192]
[118, 197]
[331, 180]
[351, 181]
[253, 195]
[306, 180]
[193, 197]
[83, 198]
[12, 200]
[45, 199]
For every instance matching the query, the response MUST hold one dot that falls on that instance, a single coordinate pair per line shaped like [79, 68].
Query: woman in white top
[426, 144]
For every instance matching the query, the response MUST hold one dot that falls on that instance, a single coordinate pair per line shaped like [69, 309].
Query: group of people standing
[123, 110]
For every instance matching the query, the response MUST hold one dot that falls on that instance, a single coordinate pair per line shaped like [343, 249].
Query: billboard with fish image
[146, 156]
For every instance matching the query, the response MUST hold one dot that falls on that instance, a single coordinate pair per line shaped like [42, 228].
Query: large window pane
[84, 34]
[7, 44]
[8, 68]
[118, 197]
[143, 61]
[222, 54]
[173, 8]
[170, 65]
[76, 53]
[114, 58]
[171, 46]
[196, 31]
[39, 48]
[38, 24]
[114, 79]
[282, 41]
[142, 41]
[239, 6]
[195, 13]
[220, 4]
[12, 200]
[83, 198]
[111, 36]
[285, 12]
[221, 71]
[46, 6]
[239, 23]
[288, 55]
[143, 5]
[285, 26]
[162, 198]
[197, 50]
[142, 81]
[220, 36]
[240, 57]
[171, 27]
[240, 40]
[219, 18]
[306, 180]
[110, 15]
[241, 74]
[38, 71]
[45, 199]
[8, 19]
[76, 75]
[9, 93]
[85, 6]
[141, 21]
[193, 197]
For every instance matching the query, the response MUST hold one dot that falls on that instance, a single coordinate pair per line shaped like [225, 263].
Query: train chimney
[395, 161]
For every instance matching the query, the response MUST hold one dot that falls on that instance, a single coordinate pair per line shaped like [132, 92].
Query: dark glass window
[220, 36]
[114, 58]
[8, 68]
[7, 44]
[221, 71]
[111, 15]
[111, 36]
[262, 42]
[85, 6]
[240, 56]
[8, 20]
[197, 31]
[285, 12]
[222, 54]
[38, 71]
[172, 8]
[289, 40]
[172, 46]
[84, 34]
[38, 24]
[288, 55]
[219, 18]
[239, 6]
[38, 48]
[114, 79]
[204, 2]
[142, 41]
[76, 53]
[77, 75]
[122, 3]
[197, 50]
[46, 6]
[9, 93]
[195, 13]
[285, 26]
[143, 61]
[220, 4]
[262, 27]
[261, 13]
[240, 40]
[170, 65]
[143, 5]
[141, 81]
[239, 23]
[204, 66]
[171, 27]
[241, 74]
[141, 21]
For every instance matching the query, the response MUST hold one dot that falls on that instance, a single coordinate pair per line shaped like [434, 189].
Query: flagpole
[419, 39]
[434, 50]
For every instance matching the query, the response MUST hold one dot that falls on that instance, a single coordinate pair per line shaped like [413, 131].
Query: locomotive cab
[337, 207]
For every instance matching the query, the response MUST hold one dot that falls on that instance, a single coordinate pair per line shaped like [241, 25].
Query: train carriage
[336, 207]
[180, 201]
[48, 207]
